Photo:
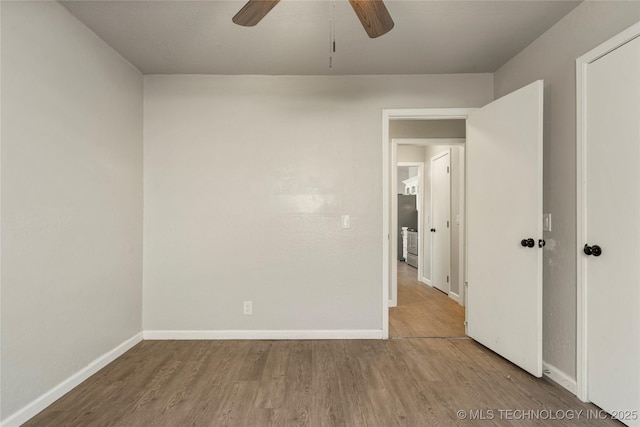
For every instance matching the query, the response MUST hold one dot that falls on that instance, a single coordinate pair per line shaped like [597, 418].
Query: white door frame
[582, 64]
[388, 263]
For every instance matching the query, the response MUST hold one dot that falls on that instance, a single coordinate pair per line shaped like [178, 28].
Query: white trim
[462, 240]
[581, 202]
[426, 281]
[386, 210]
[539, 232]
[429, 141]
[391, 232]
[0, 206]
[427, 113]
[337, 334]
[559, 377]
[397, 114]
[36, 406]
[455, 297]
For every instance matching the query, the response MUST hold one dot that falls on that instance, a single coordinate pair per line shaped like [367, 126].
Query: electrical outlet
[247, 307]
[546, 225]
[346, 221]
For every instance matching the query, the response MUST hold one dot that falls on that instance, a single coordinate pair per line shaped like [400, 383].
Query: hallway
[423, 311]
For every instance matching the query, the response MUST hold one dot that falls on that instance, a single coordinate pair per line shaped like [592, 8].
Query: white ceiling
[430, 37]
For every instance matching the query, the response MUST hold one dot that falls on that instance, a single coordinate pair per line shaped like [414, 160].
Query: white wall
[71, 200]
[410, 153]
[404, 173]
[552, 58]
[245, 181]
[408, 128]
[415, 153]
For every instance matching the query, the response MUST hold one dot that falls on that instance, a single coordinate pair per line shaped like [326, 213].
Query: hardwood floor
[398, 382]
[423, 311]
[404, 382]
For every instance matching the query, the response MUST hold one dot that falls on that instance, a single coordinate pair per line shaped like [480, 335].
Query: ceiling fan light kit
[373, 15]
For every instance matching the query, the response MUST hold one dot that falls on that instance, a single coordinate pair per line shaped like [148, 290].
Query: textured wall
[245, 181]
[71, 199]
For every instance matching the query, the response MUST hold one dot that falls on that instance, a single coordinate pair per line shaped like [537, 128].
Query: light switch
[346, 221]
[546, 222]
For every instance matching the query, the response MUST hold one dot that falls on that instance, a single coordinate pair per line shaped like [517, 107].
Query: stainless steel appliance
[412, 248]
[407, 217]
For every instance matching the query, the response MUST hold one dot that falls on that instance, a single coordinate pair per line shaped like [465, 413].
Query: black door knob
[528, 243]
[594, 250]
[433, 230]
[541, 243]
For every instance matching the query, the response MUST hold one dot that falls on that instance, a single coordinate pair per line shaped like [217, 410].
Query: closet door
[440, 221]
[610, 252]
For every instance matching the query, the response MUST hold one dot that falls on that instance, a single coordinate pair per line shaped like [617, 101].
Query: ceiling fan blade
[374, 16]
[253, 12]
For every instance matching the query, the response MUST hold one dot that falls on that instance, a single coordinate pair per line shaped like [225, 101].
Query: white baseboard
[368, 334]
[32, 409]
[455, 297]
[426, 281]
[559, 377]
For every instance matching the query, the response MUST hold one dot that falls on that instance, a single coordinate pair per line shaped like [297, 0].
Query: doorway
[422, 304]
[502, 221]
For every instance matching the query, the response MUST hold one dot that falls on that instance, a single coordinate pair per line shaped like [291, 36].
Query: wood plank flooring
[423, 311]
[399, 382]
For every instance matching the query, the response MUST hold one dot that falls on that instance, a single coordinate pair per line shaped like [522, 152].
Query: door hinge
[447, 169]
[466, 323]
[447, 279]
[447, 224]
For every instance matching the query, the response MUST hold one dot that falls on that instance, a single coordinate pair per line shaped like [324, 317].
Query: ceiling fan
[373, 14]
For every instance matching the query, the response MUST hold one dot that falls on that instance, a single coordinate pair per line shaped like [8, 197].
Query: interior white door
[440, 221]
[613, 224]
[504, 210]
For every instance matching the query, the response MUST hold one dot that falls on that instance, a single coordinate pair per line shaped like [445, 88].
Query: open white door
[504, 225]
